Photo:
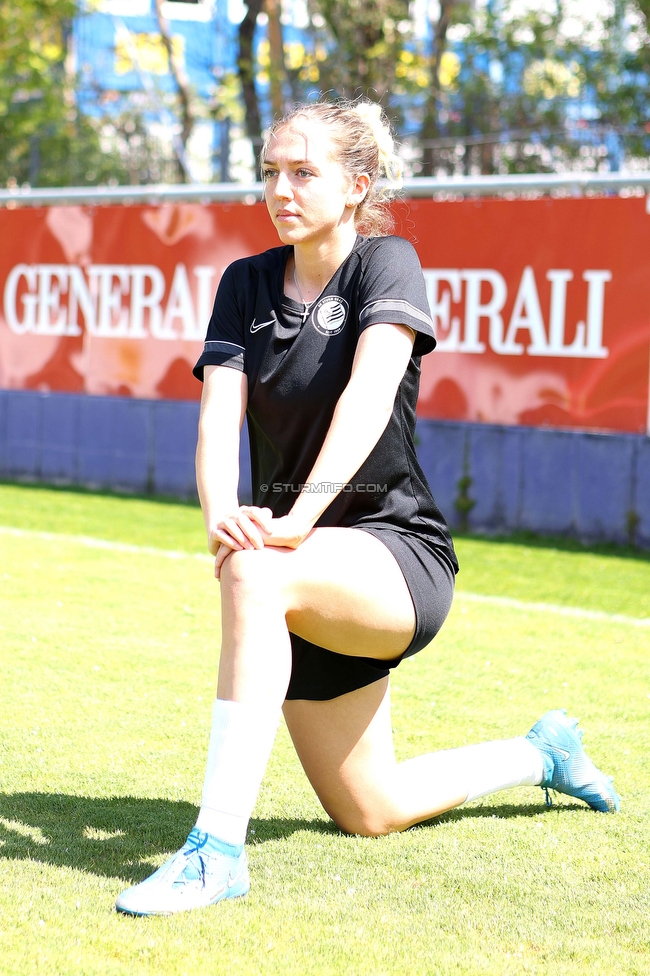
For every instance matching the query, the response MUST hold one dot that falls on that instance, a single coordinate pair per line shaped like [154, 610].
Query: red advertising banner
[542, 311]
[542, 307]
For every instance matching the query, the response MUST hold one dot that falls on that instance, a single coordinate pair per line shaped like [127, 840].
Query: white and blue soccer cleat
[204, 871]
[567, 767]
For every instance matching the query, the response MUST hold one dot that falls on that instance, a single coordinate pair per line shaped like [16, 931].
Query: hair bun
[374, 117]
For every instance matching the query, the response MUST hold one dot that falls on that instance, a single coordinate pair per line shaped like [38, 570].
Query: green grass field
[109, 658]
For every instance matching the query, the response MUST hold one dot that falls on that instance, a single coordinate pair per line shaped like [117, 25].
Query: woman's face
[308, 194]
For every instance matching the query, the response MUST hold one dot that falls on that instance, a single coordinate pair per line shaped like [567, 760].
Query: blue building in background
[122, 66]
[119, 41]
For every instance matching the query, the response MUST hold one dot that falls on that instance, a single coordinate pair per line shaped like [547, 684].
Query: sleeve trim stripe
[219, 346]
[394, 305]
[219, 359]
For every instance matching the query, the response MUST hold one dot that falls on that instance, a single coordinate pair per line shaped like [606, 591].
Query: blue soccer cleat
[567, 767]
[204, 871]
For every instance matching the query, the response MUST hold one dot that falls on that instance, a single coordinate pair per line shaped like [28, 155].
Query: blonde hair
[363, 141]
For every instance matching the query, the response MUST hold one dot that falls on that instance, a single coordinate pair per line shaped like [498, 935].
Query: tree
[618, 79]
[277, 68]
[186, 111]
[43, 136]
[247, 68]
[534, 93]
[493, 87]
[364, 39]
[448, 10]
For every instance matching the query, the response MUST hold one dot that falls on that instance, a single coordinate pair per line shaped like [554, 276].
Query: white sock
[241, 740]
[500, 765]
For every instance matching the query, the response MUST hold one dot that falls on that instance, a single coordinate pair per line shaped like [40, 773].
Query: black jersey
[297, 370]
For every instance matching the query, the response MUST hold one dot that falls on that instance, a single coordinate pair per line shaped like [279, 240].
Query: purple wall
[551, 482]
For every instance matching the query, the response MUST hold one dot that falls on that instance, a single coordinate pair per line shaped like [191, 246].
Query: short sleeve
[224, 341]
[393, 290]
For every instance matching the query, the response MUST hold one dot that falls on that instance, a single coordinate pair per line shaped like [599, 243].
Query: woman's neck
[315, 264]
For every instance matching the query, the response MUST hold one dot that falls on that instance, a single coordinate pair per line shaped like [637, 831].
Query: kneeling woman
[344, 564]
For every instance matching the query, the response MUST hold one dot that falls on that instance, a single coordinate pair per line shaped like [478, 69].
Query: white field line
[91, 543]
[577, 613]
[555, 608]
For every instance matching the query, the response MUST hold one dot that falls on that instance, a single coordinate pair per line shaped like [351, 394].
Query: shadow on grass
[123, 837]
[510, 811]
[113, 836]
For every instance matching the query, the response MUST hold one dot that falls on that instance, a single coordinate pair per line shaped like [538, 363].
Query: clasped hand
[250, 527]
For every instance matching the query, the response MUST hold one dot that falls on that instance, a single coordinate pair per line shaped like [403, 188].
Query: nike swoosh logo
[232, 881]
[255, 326]
[564, 753]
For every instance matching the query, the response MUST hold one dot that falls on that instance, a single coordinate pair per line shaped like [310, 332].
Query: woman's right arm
[223, 407]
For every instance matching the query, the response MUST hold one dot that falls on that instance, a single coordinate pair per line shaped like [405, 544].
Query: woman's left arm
[360, 418]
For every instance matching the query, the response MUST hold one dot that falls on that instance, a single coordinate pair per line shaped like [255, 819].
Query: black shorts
[319, 675]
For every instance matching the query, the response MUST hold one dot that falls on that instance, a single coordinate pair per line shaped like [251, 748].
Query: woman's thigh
[342, 589]
[346, 748]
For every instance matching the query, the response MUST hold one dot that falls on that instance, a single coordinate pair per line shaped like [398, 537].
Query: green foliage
[33, 46]
[620, 75]
[109, 663]
[531, 42]
[464, 503]
[496, 88]
[44, 139]
[368, 39]
[523, 75]
[632, 521]
[42, 135]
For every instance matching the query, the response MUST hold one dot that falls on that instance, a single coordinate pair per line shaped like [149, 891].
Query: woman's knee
[367, 812]
[363, 822]
[254, 572]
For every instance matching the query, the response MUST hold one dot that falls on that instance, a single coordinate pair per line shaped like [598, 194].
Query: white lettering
[557, 318]
[204, 275]
[596, 281]
[440, 306]
[112, 318]
[141, 299]
[526, 314]
[29, 300]
[79, 297]
[179, 306]
[475, 309]
[122, 301]
[116, 301]
[52, 282]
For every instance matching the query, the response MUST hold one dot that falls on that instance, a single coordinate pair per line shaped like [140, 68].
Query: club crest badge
[330, 315]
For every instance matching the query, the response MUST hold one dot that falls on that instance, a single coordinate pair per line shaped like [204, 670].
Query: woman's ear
[358, 190]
